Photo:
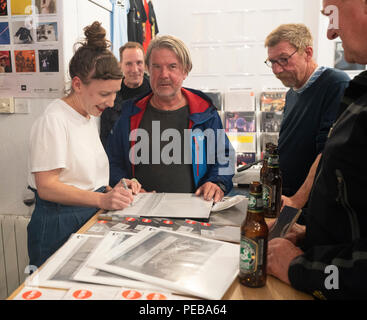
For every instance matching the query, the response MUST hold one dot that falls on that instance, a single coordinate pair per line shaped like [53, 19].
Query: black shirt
[135, 19]
[163, 176]
[111, 115]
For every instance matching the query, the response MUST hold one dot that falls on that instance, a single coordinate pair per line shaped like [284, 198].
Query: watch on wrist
[221, 186]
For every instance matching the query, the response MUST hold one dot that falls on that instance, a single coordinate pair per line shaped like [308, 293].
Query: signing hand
[134, 185]
[116, 199]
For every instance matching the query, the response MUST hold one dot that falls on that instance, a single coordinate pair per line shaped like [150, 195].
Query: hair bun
[95, 36]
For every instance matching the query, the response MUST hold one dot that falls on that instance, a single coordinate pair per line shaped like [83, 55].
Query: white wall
[77, 15]
[15, 128]
[226, 31]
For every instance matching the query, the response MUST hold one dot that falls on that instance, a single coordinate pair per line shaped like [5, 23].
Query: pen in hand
[124, 185]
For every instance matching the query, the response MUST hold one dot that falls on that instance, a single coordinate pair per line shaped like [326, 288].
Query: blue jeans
[51, 225]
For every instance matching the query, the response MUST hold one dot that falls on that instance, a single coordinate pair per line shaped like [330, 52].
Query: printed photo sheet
[60, 269]
[171, 205]
[180, 262]
[86, 273]
[57, 272]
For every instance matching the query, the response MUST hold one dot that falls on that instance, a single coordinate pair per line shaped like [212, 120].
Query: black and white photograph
[174, 260]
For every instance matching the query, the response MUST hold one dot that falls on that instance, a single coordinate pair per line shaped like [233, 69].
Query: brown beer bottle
[254, 241]
[264, 167]
[272, 186]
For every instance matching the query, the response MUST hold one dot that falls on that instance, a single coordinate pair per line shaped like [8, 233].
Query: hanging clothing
[152, 20]
[136, 20]
[148, 31]
[120, 8]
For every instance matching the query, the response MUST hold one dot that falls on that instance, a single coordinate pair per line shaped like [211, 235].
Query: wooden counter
[273, 290]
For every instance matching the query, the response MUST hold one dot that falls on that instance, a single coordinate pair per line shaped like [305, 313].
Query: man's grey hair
[174, 44]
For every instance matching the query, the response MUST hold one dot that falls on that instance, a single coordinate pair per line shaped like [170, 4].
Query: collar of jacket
[200, 106]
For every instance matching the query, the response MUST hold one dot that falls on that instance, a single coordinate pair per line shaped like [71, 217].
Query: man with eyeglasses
[310, 109]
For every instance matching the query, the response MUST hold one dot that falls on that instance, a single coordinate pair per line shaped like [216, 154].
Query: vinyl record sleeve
[243, 141]
[271, 121]
[239, 100]
[272, 100]
[179, 262]
[240, 121]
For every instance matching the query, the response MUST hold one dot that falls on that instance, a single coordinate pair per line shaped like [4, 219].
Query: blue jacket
[203, 115]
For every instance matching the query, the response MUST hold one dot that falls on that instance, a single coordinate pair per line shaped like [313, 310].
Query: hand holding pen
[116, 198]
[132, 184]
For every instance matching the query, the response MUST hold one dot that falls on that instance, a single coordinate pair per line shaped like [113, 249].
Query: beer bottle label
[251, 254]
[273, 161]
[255, 202]
[267, 196]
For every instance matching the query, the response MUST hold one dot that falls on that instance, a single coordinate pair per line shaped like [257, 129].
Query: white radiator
[13, 252]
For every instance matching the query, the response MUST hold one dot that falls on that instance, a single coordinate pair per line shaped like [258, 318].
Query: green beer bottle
[254, 241]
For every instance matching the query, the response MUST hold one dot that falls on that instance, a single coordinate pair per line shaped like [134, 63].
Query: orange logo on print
[82, 294]
[102, 221]
[190, 222]
[167, 222]
[130, 219]
[147, 220]
[31, 295]
[156, 296]
[131, 294]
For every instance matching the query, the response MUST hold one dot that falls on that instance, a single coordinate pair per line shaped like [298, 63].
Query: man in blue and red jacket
[171, 139]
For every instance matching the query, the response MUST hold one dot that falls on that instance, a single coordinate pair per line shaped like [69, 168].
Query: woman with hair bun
[68, 167]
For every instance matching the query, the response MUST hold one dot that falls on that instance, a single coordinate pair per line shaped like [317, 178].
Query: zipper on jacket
[342, 198]
[197, 156]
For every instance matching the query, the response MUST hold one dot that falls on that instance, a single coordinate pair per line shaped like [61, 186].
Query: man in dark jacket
[172, 139]
[134, 84]
[328, 256]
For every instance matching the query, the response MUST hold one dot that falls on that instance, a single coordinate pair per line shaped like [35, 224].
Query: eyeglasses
[281, 61]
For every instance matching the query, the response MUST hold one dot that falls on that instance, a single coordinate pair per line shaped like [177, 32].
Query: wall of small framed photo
[31, 48]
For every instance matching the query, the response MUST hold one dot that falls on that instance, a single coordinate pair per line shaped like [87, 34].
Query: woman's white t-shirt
[63, 138]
